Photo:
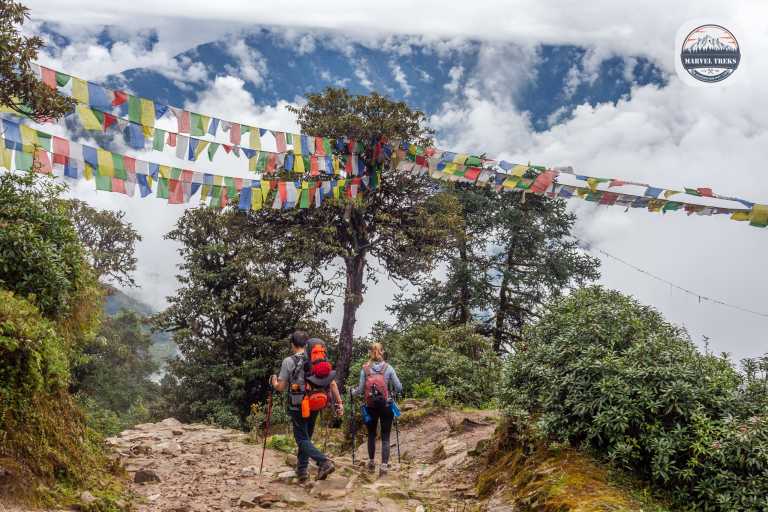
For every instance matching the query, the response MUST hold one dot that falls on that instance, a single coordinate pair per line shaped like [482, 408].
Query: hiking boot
[371, 466]
[302, 477]
[325, 469]
[383, 470]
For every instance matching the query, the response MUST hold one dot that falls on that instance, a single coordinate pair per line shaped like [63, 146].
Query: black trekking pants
[303, 428]
[384, 416]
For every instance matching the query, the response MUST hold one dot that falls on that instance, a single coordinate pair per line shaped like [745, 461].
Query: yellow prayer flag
[205, 191]
[758, 217]
[88, 118]
[218, 180]
[200, 148]
[106, 163]
[655, 205]
[296, 143]
[582, 192]
[298, 164]
[147, 112]
[256, 198]
[593, 183]
[255, 138]
[5, 156]
[670, 193]
[740, 216]
[510, 182]
[28, 138]
[88, 172]
[461, 158]
[164, 171]
[80, 90]
[265, 186]
[518, 170]
[149, 132]
[252, 163]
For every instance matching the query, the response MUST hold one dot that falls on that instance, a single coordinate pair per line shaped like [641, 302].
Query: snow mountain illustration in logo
[710, 53]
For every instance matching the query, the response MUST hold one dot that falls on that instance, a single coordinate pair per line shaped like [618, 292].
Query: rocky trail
[184, 468]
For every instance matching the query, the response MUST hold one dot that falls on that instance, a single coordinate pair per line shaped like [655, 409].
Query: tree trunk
[464, 295]
[353, 297]
[501, 313]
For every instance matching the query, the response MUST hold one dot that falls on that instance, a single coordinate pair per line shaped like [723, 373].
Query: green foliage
[511, 253]
[109, 241]
[230, 319]
[603, 372]
[428, 390]
[282, 443]
[40, 255]
[429, 358]
[279, 418]
[19, 87]
[113, 373]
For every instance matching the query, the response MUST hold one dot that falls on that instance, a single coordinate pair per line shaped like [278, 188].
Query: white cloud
[361, 73]
[251, 64]
[400, 78]
[456, 72]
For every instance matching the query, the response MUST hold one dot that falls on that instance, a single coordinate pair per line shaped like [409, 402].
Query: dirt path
[184, 468]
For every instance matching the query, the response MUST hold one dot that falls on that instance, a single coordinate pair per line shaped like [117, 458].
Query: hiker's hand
[339, 409]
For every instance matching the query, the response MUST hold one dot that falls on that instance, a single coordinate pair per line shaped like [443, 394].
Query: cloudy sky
[672, 135]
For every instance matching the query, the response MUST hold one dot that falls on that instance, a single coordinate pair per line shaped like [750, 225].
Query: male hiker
[308, 392]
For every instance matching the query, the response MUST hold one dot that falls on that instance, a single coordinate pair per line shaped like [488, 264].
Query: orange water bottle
[305, 407]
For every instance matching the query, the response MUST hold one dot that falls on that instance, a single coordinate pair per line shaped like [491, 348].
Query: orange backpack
[318, 374]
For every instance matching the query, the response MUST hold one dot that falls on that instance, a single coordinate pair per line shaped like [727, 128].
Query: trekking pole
[266, 431]
[397, 436]
[352, 426]
[324, 418]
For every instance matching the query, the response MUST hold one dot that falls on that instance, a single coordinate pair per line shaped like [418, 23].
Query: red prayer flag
[109, 120]
[172, 139]
[542, 182]
[60, 150]
[224, 197]
[616, 183]
[271, 163]
[130, 164]
[119, 98]
[118, 185]
[319, 146]
[280, 141]
[234, 133]
[175, 192]
[238, 184]
[49, 77]
[282, 191]
[472, 173]
[609, 198]
[187, 175]
[184, 124]
[227, 147]
[45, 163]
[706, 192]
[314, 169]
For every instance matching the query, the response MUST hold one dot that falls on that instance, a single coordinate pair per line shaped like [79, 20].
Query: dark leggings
[385, 416]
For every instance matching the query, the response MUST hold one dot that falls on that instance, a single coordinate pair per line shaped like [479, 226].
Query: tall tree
[20, 89]
[515, 251]
[398, 229]
[109, 241]
[231, 318]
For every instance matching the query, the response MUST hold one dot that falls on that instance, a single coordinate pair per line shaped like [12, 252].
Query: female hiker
[377, 380]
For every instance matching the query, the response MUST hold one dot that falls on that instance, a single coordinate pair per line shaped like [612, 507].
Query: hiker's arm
[278, 384]
[360, 385]
[396, 382]
[337, 398]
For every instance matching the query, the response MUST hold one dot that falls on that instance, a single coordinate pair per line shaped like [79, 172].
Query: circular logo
[710, 53]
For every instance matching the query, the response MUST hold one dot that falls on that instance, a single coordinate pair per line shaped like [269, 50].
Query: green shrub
[456, 359]
[428, 390]
[281, 443]
[603, 372]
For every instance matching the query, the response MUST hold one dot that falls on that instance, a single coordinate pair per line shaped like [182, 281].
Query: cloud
[251, 64]
[361, 73]
[400, 78]
[456, 72]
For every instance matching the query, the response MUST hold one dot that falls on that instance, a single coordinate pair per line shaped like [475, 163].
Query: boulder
[87, 498]
[145, 475]
[291, 460]
[249, 471]
[170, 422]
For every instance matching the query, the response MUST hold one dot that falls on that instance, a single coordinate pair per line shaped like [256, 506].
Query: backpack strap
[298, 366]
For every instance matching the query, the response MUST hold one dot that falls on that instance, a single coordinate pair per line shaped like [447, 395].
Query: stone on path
[145, 475]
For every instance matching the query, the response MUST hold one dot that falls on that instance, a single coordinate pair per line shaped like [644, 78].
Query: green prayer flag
[671, 206]
[162, 188]
[196, 122]
[104, 183]
[215, 196]
[692, 192]
[229, 182]
[304, 201]
[134, 109]
[176, 173]
[261, 163]
[327, 146]
[473, 161]
[212, 150]
[158, 143]
[119, 164]
[23, 161]
[44, 140]
[62, 79]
